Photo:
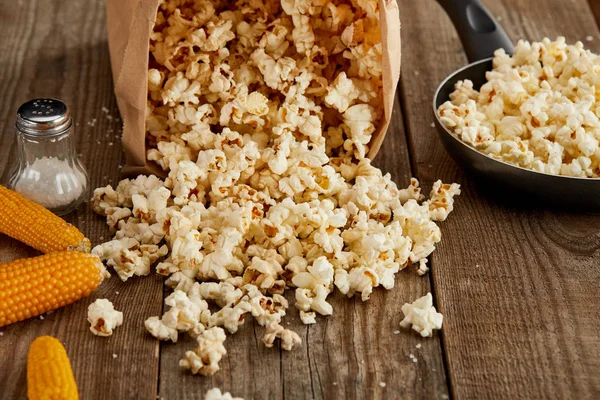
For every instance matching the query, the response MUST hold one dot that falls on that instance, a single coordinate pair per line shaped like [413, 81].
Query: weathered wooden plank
[347, 355]
[516, 283]
[51, 48]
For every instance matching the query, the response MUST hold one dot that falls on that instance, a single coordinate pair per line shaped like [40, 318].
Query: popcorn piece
[183, 316]
[128, 257]
[205, 358]
[308, 317]
[215, 394]
[288, 337]
[103, 317]
[423, 317]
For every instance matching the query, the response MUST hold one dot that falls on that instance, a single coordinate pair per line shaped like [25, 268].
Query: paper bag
[130, 23]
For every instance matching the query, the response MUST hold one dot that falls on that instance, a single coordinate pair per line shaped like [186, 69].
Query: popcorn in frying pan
[537, 109]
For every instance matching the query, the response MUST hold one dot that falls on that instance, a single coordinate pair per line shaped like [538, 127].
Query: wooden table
[518, 284]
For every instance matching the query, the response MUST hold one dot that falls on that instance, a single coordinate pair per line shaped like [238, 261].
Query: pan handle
[479, 32]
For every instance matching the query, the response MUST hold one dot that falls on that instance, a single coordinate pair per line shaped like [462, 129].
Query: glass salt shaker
[48, 170]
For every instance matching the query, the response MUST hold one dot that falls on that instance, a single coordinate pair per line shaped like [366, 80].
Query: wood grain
[346, 355]
[58, 49]
[517, 284]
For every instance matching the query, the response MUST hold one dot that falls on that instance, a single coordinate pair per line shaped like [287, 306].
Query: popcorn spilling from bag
[261, 116]
[538, 109]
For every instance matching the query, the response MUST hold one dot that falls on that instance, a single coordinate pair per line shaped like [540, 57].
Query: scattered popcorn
[423, 317]
[215, 394]
[103, 317]
[537, 110]
[261, 116]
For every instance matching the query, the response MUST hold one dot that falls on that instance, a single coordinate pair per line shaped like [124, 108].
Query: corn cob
[32, 224]
[49, 373]
[33, 286]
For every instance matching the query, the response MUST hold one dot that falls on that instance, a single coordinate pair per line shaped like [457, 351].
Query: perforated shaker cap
[43, 117]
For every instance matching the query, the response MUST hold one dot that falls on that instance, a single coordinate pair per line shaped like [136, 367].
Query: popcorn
[103, 317]
[537, 110]
[128, 257]
[205, 358]
[215, 394]
[288, 337]
[423, 317]
[183, 316]
[308, 317]
[261, 115]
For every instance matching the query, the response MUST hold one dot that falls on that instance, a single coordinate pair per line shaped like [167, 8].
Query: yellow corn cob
[32, 224]
[49, 373]
[33, 286]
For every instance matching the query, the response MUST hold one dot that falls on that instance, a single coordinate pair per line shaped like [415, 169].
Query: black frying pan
[481, 35]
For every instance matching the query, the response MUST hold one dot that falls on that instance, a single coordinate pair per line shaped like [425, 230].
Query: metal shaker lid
[43, 117]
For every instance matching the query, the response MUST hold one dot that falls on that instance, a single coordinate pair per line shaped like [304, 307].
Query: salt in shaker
[48, 170]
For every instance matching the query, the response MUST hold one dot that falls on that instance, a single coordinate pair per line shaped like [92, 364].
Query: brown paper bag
[130, 23]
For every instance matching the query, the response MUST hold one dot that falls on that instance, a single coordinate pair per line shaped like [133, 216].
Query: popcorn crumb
[423, 317]
[382, 384]
[114, 355]
[589, 38]
[42, 317]
[396, 332]
[418, 346]
[432, 125]
[116, 292]
[103, 317]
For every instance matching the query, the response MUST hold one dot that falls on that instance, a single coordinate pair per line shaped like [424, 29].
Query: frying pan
[480, 36]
